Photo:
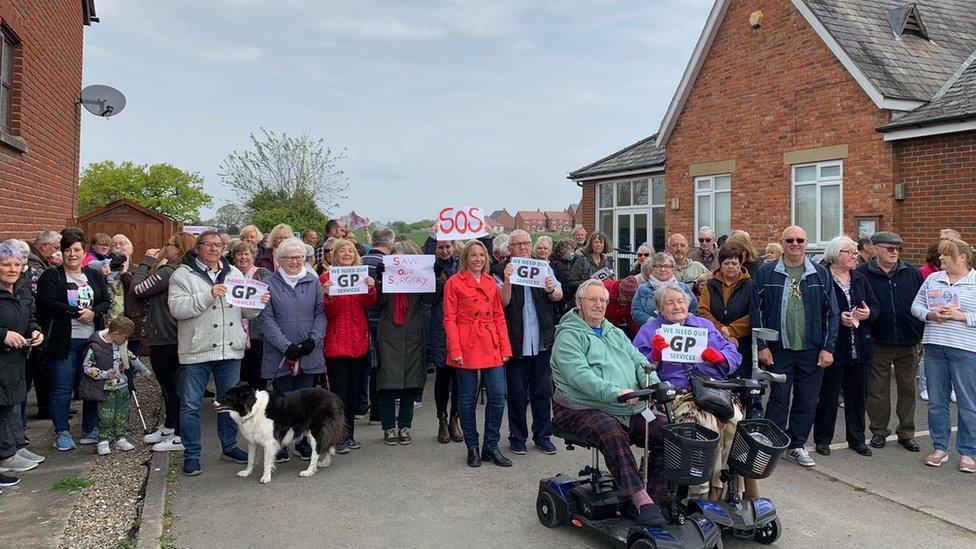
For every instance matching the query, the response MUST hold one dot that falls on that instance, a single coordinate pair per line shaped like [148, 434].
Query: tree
[293, 168]
[269, 208]
[161, 187]
[231, 217]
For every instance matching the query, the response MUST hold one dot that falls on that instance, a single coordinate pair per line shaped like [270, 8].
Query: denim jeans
[529, 384]
[950, 368]
[494, 380]
[803, 378]
[64, 374]
[193, 382]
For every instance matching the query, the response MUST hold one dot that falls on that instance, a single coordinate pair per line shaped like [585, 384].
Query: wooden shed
[145, 228]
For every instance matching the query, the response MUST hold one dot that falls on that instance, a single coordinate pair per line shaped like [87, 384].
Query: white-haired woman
[253, 236]
[293, 325]
[542, 248]
[658, 271]
[854, 353]
[269, 257]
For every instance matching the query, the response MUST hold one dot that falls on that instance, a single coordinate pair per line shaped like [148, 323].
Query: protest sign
[942, 297]
[408, 274]
[603, 274]
[245, 292]
[348, 280]
[529, 272]
[461, 223]
[685, 344]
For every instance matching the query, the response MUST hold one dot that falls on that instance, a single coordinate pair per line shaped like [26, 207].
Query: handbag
[92, 389]
[717, 402]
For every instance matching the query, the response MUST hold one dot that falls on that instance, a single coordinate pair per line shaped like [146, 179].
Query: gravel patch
[107, 512]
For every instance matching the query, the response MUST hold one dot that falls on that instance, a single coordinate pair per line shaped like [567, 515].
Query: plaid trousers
[614, 440]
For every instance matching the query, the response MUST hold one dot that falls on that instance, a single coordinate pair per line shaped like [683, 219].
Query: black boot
[495, 456]
[443, 434]
[474, 457]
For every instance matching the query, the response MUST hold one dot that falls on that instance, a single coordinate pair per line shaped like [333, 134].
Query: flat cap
[885, 237]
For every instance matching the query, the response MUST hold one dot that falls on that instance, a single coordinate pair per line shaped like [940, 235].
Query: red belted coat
[347, 333]
[475, 322]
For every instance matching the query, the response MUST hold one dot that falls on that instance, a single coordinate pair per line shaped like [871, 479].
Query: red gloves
[658, 344]
[713, 356]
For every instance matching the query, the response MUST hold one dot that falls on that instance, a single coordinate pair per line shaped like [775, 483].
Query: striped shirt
[952, 333]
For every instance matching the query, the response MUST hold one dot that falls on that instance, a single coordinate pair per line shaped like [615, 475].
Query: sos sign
[348, 280]
[461, 223]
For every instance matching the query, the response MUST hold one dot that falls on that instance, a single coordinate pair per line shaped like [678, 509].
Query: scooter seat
[571, 439]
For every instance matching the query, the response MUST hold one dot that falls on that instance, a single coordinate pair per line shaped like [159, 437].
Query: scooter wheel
[768, 533]
[642, 543]
[545, 507]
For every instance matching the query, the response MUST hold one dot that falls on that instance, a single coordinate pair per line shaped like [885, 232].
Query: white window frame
[614, 209]
[821, 182]
[710, 192]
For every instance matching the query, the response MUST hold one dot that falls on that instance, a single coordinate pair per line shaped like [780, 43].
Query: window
[818, 200]
[713, 203]
[6, 78]
[631, 212]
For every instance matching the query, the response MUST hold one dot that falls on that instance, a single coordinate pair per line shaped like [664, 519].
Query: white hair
[581, 291]
[705, 229]
[835, 246]
[662, 291]
[47, 237]
[499, 246]
[290, 244]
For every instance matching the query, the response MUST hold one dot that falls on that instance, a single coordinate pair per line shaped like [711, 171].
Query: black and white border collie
[272, 420]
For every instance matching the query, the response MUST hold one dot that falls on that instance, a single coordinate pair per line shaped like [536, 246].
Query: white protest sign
[461, 223]
[348, 280]
[603, 274]
[945, 297]
[245, 292]
[529, 272]
[685, 344]
[408, 274]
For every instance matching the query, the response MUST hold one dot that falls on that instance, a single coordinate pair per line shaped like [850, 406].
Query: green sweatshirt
[590, 370]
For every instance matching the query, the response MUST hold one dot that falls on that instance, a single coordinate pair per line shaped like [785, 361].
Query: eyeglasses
[212, 245]
[643, 255]
[794, 240]
[664, 266]
[294, 258]
[704, 239]
[599, 300]
[524, 244]
[851, 252]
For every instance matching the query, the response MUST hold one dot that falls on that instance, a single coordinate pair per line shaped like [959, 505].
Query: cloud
[228, 52]
[388, 28]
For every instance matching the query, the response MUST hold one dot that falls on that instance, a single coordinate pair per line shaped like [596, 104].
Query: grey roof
[906, 67]
[640, 156]
[955, 102]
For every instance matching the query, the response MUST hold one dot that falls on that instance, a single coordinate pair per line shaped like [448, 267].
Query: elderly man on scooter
[593, 362]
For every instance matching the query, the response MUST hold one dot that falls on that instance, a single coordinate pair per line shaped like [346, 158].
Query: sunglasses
[704, 239]
[889, 248]
[794, 240]
[643, 255]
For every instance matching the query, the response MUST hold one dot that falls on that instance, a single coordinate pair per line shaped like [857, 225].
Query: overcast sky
[452, 102]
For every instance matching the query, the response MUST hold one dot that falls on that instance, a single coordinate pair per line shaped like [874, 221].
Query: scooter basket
[689, 453]
[757, 446]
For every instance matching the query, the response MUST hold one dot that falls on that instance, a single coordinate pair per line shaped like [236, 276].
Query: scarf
[292, 280]
[655, 283]
[401, 304]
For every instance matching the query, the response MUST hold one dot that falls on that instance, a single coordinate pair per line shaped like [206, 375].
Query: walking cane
[135, 400]
[647, 423]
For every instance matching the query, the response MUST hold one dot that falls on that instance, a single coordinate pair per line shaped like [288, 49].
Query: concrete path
[423, 495]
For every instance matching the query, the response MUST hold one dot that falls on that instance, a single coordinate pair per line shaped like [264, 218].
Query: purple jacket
[675, 371]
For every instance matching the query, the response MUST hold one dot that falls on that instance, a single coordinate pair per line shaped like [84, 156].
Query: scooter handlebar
[639, 394]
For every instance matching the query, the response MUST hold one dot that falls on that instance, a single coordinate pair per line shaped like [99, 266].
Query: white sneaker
[103, 449]
[952, 396]
[158, 435]
[174, 444]
[124, 445]
[801, 456]
[17, 464]
[27, 454]
[924, 395]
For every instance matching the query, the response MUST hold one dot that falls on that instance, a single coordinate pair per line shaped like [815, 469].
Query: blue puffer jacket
[644, 308]
[292, 316]
[895, 291]
[768, 306]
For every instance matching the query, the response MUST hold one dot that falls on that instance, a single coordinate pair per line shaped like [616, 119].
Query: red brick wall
[939, 174]
[587, 212]
[765, 92]
[39, 188]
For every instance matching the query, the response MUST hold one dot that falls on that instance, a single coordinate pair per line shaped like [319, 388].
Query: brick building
[530, 221]
[839, 116]
[40, 126]
[503, 219]
[559, 221]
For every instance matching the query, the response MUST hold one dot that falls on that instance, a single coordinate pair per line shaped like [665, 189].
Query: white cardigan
[208, 329]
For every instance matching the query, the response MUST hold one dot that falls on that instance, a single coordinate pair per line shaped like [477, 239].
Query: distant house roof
[955, 102]
[497, 213]
[901, 53]
[528, 214]
[565, 216]
[641, 156]
[573, 208]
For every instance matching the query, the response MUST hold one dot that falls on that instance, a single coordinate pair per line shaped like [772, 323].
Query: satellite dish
[102, 100]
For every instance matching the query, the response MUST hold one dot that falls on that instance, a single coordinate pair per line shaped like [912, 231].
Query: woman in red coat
[347, 338]
[477, 341]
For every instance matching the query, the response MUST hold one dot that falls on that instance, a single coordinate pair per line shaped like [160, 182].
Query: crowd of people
[77, 312]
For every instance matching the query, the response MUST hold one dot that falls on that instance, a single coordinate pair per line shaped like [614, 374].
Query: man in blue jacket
[896, 334]
[794, 297]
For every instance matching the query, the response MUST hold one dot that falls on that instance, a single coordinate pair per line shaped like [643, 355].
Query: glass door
[631, 232]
